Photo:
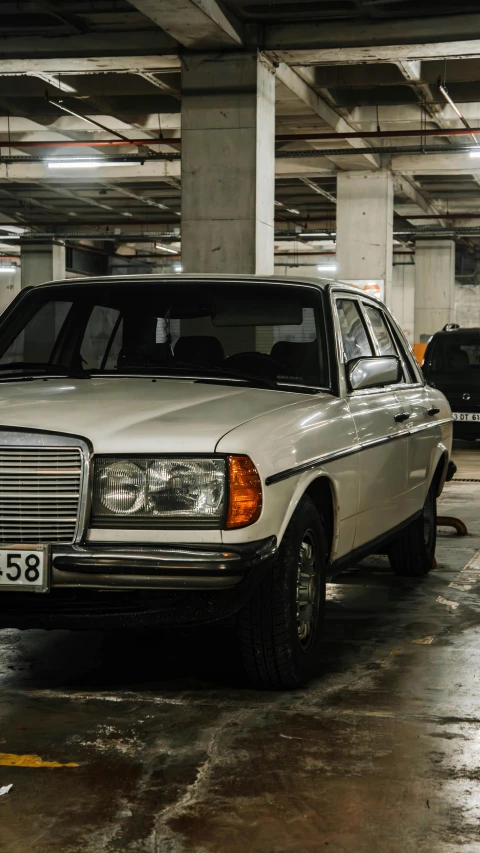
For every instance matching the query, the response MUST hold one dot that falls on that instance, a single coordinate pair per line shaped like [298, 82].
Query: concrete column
[228, 163]
[9, 285]
[434, 289]
[42, 262]
[365, 228]
[403, 297]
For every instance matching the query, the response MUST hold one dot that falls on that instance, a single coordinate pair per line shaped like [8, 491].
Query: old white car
[187, 449]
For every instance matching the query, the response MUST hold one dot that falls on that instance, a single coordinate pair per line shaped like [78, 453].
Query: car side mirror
[373, 372]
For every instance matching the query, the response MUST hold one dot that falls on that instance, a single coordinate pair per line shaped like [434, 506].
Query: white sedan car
[189, 449]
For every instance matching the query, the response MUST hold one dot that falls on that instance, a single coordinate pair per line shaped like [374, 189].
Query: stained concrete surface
[381, 754]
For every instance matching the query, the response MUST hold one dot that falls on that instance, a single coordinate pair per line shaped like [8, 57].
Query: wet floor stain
[168, 751]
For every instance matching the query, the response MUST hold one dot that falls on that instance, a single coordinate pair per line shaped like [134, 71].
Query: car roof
[457, 333]
[321, 283]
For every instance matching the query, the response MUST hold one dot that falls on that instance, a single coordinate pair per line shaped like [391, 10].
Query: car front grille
[39, 494]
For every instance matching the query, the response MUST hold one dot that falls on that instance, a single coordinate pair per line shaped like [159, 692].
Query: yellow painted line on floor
[9, 759]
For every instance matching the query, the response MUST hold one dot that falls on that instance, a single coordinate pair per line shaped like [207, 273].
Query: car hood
[137, 415]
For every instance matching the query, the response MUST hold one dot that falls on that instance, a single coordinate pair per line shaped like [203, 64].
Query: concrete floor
[380, 755]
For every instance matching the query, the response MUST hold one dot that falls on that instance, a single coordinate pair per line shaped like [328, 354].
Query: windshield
[454, 355]
[232, 331]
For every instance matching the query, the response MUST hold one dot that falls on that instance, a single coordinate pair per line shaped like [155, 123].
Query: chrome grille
[39, 493]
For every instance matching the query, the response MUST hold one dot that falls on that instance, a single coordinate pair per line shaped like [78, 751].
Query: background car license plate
[466, 416]
[25, 568]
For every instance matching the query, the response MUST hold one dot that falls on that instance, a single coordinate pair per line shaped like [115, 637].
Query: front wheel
[413, 553]
[280, 629]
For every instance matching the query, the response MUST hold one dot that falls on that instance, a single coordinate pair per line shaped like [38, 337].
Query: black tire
[275, 655]
[413, 553]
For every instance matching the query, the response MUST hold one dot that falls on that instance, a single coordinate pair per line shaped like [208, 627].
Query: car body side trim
[320, 461]
[421, 427]
[370, 547]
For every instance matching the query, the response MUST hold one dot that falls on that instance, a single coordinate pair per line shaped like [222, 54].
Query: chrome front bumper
[168, 567]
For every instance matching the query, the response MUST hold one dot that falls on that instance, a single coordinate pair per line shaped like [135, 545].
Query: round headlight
[122, 487]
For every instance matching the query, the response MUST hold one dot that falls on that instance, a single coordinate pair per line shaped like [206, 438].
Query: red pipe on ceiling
[283, 137]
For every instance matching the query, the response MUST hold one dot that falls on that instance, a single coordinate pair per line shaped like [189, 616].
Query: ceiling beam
[434, 164]
[124, 174]
[412, 71]
[296, 84]
[319, 190]
[196, 24]
[52, 128]
[318, 42]
[411, 190]
[97, 60]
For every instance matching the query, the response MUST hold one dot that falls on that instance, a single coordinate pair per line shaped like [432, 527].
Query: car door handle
[434, 411]
[402, 416]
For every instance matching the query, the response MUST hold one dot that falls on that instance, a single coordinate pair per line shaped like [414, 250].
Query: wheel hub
[306, 589]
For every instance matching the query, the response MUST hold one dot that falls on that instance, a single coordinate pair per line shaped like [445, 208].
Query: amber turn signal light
[244, 493]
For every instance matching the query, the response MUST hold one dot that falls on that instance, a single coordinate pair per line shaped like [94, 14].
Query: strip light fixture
[86, 163]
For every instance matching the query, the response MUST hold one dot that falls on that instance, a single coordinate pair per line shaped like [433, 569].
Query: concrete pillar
[42, 262]
[365, 228]
[403, 297]
[9, 284]
[228, 163]
[434, 289]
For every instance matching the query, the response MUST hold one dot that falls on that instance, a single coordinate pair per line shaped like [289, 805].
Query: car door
[384, 439]
[415, 403]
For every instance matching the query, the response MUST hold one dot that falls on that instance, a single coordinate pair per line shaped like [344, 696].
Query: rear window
[453, 355]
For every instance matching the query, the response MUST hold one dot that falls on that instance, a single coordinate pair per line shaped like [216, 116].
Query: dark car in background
[452, 364]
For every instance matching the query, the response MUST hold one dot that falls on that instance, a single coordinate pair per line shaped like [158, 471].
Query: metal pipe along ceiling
[169, 237]
[282, 137]
[279, 155]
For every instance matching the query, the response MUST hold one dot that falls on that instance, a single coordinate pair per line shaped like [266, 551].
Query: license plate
[25, 568]
[466, 416]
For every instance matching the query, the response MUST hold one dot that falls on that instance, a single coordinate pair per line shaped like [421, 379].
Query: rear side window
[354, 335]
[381, 331]
[454, 355]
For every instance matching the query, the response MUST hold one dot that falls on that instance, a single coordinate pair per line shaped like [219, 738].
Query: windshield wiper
[31, 365]
[186, 370]
[41, 369]
[202, 371]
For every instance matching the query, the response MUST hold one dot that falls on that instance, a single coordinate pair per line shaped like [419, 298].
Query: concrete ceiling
[342, 66]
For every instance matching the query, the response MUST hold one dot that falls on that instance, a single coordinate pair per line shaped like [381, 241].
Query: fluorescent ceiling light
[475, 153]
[166, 249]
[314, 234]
[5, 268]
[15, 229]
[292, 210]
[327, 267]
[177, 268]
[85, 163]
